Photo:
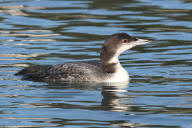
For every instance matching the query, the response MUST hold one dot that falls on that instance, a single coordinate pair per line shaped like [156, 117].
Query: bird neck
[110, 60]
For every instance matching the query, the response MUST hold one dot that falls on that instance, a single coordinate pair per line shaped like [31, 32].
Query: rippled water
[159, 94]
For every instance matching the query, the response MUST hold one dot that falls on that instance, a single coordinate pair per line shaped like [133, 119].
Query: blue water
[52, 32]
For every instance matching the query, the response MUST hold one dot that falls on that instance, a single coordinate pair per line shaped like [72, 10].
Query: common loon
[110, 69]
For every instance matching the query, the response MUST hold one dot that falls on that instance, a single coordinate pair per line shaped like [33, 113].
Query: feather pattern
[110, 69]
[71, 71]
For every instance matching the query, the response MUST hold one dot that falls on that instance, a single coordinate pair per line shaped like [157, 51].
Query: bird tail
[34, 72]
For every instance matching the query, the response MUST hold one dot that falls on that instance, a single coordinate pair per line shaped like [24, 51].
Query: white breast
[120, 76]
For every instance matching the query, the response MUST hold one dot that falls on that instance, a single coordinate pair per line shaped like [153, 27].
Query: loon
[109, 70]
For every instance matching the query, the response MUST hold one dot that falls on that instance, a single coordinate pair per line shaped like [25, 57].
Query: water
[51, 32]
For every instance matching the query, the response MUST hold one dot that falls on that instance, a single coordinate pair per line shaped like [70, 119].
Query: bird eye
[124, 41]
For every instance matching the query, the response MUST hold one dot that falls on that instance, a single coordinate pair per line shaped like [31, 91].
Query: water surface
[52, 32]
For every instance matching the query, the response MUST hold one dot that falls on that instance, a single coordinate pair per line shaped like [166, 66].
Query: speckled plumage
[110, 69]
[72, 71]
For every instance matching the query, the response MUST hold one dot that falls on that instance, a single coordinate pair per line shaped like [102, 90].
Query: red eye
[124, 41]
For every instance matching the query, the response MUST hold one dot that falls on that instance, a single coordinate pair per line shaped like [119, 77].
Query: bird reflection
[112, 93]
[113, 96]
